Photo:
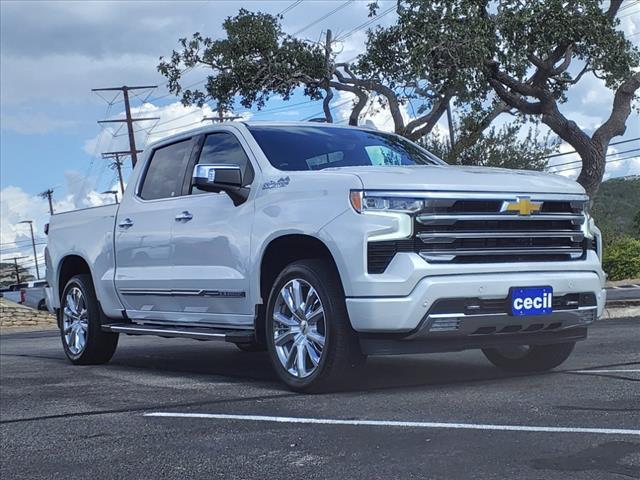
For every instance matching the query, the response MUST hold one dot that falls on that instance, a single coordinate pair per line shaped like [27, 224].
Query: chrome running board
[196, 333]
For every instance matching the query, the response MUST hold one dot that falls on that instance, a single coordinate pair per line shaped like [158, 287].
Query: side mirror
[217, 178]
[221, 178]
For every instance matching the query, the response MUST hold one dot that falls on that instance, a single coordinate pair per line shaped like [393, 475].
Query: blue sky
[53, 53]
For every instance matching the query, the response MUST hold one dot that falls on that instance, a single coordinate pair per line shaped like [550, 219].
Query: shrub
[622, 258]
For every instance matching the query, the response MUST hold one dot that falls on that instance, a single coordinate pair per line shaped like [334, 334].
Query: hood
[456, 178]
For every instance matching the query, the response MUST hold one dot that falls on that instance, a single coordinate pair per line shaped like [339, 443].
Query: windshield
[311, 147]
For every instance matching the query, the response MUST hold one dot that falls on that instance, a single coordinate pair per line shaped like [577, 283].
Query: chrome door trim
[177, 292]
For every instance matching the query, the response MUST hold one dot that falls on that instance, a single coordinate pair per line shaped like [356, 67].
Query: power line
[20, 247]
[629, 14]
[607, 155]
[325, 16]
[573, 151]
[629, 5]
[366, 24]
[290, 7]
[608, 161]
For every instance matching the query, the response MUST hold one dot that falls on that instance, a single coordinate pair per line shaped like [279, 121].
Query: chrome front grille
[502, 228]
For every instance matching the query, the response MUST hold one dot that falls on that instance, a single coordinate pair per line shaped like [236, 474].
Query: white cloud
[17, 205]
[173, 118]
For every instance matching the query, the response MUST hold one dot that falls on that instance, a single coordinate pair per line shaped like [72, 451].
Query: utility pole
[15, 264]
[48, 194]
[33, 244]
[117, 164]
[112, 192]
[128, 119]
[221, 118]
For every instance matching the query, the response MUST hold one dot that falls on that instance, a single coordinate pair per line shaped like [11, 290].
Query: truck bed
[87, 233]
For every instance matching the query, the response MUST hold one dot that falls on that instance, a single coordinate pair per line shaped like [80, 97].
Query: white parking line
[606, 371]
[391, 423]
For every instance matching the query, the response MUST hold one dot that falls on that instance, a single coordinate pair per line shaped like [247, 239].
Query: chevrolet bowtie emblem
[523, 205]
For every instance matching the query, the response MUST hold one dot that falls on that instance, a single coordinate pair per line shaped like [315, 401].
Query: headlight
[363, 202]
[389, 216]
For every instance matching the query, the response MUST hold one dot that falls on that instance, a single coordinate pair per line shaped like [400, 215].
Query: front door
[144, 277]
[211, 240]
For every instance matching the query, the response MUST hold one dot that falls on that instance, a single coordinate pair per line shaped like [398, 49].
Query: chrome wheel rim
[299, 328]
[75, 321]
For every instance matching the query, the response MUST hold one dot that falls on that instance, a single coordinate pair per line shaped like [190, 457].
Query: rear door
[211, 240]
[143, 277]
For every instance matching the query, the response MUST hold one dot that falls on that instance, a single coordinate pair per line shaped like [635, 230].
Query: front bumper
[413, 315]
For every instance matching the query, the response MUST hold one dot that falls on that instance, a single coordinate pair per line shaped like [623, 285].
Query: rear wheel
[309, 337]
[83, 340]
[529, 358]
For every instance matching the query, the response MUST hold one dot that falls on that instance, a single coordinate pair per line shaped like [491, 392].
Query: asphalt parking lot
[185, 409]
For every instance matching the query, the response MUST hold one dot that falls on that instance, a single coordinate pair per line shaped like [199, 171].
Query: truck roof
[213, 126]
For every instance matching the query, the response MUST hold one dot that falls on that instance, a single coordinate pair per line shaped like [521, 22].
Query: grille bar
[430, 219]
[448, 255]
[442, 237]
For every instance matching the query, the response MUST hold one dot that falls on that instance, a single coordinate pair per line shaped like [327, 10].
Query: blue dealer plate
[531, 301]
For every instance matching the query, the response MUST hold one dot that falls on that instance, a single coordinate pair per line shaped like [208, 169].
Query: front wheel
[309, 336]
[83, 340]
[529, 358]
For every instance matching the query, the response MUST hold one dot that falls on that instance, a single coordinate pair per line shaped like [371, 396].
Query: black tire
[341, 352]
[251, 347]
[100, 346]
[534, 358]
[42, 305]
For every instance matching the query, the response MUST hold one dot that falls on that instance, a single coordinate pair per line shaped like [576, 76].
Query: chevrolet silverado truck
[325, 244]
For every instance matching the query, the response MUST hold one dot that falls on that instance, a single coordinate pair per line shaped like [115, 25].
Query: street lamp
[113, 192]
[33, 244]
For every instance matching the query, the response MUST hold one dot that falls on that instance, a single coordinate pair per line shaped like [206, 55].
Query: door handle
[126, 223]
[184, 216]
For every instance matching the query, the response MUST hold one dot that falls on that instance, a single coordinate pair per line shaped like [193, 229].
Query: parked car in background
[30, 294]
[34, 295]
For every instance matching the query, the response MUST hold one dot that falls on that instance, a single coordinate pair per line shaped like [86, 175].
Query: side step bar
[196, 333]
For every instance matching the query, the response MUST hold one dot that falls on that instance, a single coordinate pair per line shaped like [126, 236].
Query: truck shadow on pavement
[379, 373]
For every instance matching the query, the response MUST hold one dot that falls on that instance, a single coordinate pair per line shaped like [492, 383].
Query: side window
[224, 149]
[165, 172]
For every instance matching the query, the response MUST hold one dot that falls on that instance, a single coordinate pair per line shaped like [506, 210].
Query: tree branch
[515, 101]
[615, 124]
[360, 104]
[472, 137]
[614, 6]
[428, 120]
[379, 88]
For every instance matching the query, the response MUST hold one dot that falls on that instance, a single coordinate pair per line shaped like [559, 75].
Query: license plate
[531, 301]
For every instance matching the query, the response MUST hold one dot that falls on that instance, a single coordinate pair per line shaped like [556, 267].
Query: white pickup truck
[325, 244]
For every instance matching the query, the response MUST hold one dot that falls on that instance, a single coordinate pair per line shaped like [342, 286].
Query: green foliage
[435, 46]
[501, 147]
[534, 28]
[622, 259]
[254, 61]
[614, 208]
